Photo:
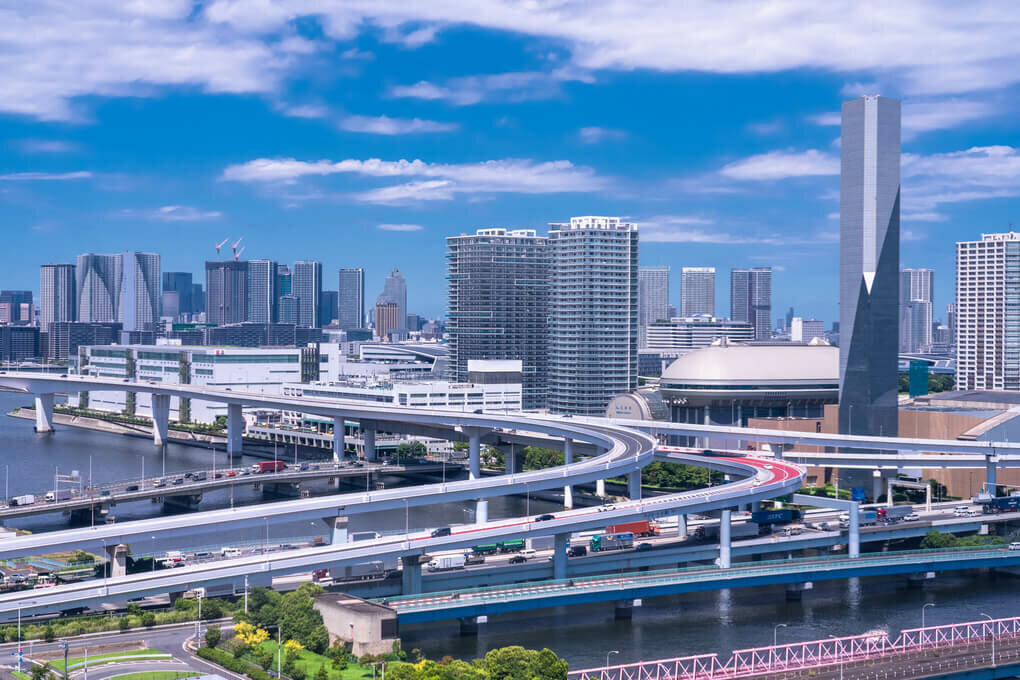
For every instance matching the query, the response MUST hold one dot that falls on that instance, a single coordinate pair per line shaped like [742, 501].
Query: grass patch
[20, 676]
[157, 675]
[309, 662]
[58, 664]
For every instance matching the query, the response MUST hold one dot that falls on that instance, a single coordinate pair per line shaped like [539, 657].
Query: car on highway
[912, 517]
[528, 553]
[607, 508]
[577, 551]
[131, 487]
[642, 547]
[178, 481]
[545, 518]
[1015, 545]
[157, 483]
[518, 559]
[441, 531]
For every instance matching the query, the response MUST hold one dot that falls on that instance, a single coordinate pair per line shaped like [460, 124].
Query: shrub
[212, 636]
[123, 623]
[148, 619]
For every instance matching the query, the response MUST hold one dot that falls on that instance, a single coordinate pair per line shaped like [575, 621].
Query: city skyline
[513, 137]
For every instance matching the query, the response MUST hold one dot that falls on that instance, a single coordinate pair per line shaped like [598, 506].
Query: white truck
[27, 499]
[447, 563]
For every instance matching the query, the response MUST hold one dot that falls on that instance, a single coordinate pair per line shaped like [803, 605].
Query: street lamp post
[840, 657]
[775, 640]
[993, 636]
[279, 649]
[930, 604]
[615, 651]
[64, 643]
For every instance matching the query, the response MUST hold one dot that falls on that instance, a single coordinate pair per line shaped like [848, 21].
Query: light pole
[153, 554]
[930, 604]
[775, 641]
[615, 651]
[64, 643]
[279, 649]
[198, 622]
[840, 656]
[993, 636]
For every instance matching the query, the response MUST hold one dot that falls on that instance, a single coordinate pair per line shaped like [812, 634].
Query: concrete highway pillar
[481, 511]
[568, 458]
[118, 559]
[468, 625]
[44, 412]
[634, 485]
[410, 574]
[854, 539]
[474, 454]
[777, 451]
[338, 438]
[160, 418]
[235, 429]
[724, 539]
[368, 439]
[560, 544]
[600, 488]
[339, 525]
[889, 492]
[681, 525]
[990, 471]
[624, 610]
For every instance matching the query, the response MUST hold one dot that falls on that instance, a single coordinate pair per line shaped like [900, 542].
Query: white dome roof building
[725, 383]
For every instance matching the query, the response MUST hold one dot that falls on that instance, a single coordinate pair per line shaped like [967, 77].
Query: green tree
[548, 666]
[212, 636]
[41, 672]
[538, 458]
[48, 633]
[148, 619]
[265, 658]
[509, 663]
[322, 673]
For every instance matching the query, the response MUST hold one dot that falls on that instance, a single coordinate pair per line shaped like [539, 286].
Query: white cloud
[384, 125]
[45, 146]
[696, 229]
[399, 227]
[117, 48]
[173, 213]
[594, 135]
[776, 165]
[303, 110]
[430, 181]
[514, 86]
[768, 127]
[978, 173]
[44, 176]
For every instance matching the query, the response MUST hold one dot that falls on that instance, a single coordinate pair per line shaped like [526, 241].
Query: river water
[718, 621]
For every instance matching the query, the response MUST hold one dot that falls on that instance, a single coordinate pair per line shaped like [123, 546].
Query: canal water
[718, 621]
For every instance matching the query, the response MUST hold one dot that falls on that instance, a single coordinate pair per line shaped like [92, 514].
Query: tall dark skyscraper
[180, 283]
[351, 299]
[308, 289]
[869, 263]
[226, 291]
[498, 297]
[197, 298]
[57, 288]
[751, 299]
[327, 307]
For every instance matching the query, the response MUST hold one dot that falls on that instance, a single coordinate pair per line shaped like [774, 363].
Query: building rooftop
[780, 363]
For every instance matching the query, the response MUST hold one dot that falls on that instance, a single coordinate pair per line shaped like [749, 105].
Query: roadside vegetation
[934, 539]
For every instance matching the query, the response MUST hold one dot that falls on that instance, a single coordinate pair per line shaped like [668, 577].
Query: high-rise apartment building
[751, 299]
[263, 295]
[653, 299]
[869, 264]
[140, 293]
[697, 291]
[289, 309]
[182, 284]
[395, 290]
[917, 294]
[806, 330]
[696, 331]
[987, 314]
[351, 299]
[226, 291]
[498, 296]
[951, 322]
[16, 307]
[593, 313]
[97, 284]
[57, 288]
[308, 288]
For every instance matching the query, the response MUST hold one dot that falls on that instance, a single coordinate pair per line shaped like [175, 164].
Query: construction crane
[221, 244]
[237, 255]
[234, 247]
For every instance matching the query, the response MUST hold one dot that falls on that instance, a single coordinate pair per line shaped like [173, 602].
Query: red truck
[268, 466]
[642, 528]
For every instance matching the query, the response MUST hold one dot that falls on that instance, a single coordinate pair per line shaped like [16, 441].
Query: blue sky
[363, 133]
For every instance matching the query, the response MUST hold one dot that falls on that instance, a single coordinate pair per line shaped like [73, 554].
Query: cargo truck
[602, 542]
[58, 495]
[513, 545]
[895, 512]
[738, 530]
[447, 563]
[268, 466]
[641, 528]
[867, 518]
[1001, 504]
[775, 516]
[27, 499]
